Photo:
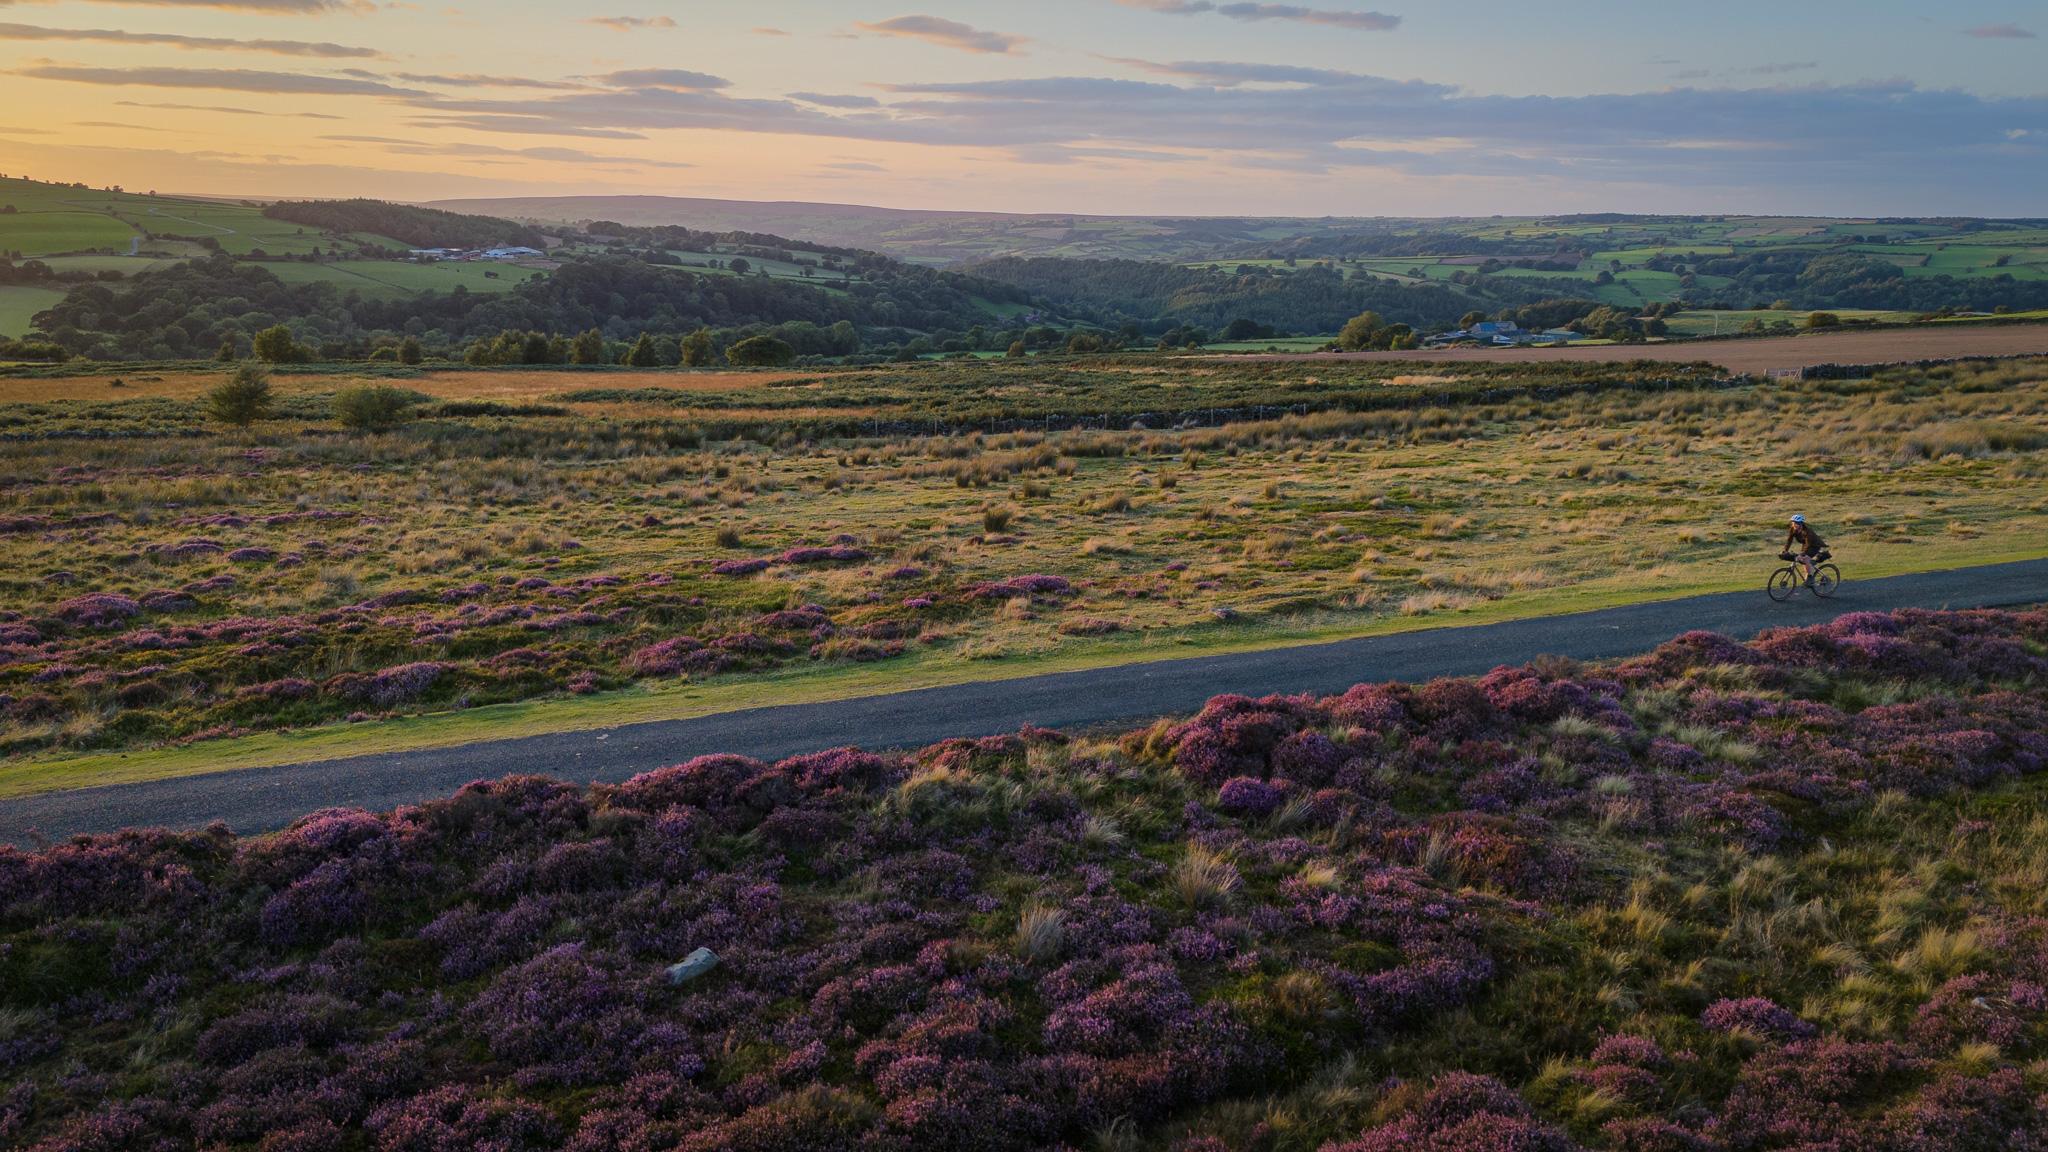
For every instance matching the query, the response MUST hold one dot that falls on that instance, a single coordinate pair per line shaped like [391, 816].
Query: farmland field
[1706, 323]
[44, 233]
[1887, 346]
[19, 302]
[388, 279]
[667, 541]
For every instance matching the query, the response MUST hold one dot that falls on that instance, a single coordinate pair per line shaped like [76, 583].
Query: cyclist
[1812, 549]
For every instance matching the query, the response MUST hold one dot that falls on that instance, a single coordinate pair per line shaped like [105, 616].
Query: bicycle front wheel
[1784, 582]
[1826, 579]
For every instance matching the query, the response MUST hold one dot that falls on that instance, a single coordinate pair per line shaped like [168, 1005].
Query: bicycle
[1786, 581]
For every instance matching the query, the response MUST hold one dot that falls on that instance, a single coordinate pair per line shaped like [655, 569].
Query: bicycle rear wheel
[1826, 579]
[1783, 584]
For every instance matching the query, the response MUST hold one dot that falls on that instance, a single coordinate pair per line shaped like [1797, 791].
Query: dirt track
[1758, 355]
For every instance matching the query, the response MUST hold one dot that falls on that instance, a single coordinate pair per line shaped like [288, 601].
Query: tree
[740, 266]
[409, 351]
[227, 353]
[587, 348]
[697, 348]
[241, 399]
[643, 353]
[1471, 318]
[759, 352]
[1016, 351]
[1359, 332]
[1823, 320]
[372, 407]
[276, 345]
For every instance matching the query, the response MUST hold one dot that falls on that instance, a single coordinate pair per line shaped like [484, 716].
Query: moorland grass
[599, 552]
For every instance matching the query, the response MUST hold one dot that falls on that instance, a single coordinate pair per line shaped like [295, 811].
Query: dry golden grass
[440, 383]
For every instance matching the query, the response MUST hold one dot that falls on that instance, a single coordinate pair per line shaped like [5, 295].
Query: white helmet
[1799, 519]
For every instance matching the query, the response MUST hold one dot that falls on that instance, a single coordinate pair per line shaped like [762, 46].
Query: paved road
[1756, 355]
[258, 799]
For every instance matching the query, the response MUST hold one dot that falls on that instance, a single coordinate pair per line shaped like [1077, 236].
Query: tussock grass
[1203, 877]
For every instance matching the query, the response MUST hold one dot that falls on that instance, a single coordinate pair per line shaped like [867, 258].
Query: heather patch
[1628, 909]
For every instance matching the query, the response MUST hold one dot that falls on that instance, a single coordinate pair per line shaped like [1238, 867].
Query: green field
[125, 265]
[1976, 250]
[52, 218]
[390, 279]
[19, 302]
[42, 233]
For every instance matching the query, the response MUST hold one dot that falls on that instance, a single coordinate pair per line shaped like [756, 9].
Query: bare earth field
[1762, 355]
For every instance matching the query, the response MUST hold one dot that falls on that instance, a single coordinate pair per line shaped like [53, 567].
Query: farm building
[517, 253]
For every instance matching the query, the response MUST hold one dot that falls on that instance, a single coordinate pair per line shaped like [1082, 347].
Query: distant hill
[927, 237]
[420, 227]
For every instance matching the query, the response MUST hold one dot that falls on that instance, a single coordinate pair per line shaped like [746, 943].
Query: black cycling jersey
[1808, 540]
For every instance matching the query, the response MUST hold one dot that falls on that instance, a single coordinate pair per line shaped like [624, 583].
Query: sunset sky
[1107, 106]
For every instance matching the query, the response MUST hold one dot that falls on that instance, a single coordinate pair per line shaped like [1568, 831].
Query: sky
[1182, 107]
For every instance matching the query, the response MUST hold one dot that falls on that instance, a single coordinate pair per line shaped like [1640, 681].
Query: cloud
[189, 43]
[2000, 32]
[825, 101]
[670, 79]
[276, 7]
[630, 23]
[856, 166]
[947, 33]
[1782, 69]
[551, 154]
[768, 31]
[474, 80]
[222, 79]
[1359, 21]
[1231, 73]
[224, 108]
[524, 126]
[1903, 147]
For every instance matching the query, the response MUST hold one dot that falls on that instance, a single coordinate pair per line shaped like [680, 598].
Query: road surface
[1757, 355]
[260, 799]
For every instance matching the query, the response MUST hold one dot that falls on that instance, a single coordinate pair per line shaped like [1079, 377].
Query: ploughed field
[651, 536]
[1758, 354]
[1783, 894]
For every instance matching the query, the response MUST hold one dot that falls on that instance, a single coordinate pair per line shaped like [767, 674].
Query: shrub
[373, 407]
[277, 345]
[760, 352]
[242, 399]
